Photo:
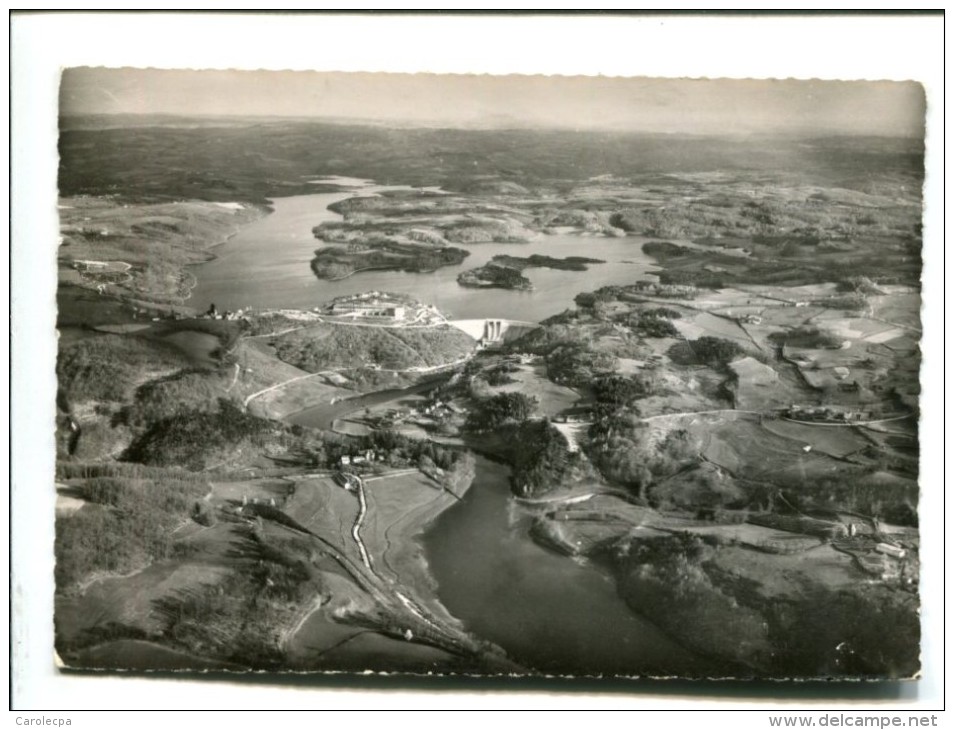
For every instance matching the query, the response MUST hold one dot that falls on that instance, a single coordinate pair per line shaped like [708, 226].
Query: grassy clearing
[327, 509]
[705, 324]
[746, 449]
[837, 442]
[757, 386]
[532, 380]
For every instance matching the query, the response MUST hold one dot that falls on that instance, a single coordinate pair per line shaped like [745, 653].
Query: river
[267, 265]
[549, 612]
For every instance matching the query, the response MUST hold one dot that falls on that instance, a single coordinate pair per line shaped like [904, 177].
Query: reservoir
[267, 265]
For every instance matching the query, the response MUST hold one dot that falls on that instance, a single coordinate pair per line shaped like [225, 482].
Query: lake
[267, 265]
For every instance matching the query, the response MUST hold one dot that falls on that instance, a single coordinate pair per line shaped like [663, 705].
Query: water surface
[549, 612]
[267, 265]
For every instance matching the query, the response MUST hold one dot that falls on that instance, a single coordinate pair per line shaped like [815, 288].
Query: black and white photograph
[487, 375]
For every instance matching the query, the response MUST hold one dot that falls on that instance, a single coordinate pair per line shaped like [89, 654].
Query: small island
[504, 272]
[496, 277]
[340, 262]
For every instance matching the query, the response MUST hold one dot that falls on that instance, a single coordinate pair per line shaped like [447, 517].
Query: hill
[329, 346]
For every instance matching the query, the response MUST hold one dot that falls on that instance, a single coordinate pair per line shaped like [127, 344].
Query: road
[278, 386]
[415, 370]
[698, 413]
[850, 424]
[356, 481]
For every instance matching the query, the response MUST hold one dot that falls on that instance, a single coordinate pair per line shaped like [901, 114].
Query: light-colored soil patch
[660, 346]
[122, 329]
[886, 336]
[67, 500]
[629, 366]
[412, 430]
[572, 433]
[718, 327]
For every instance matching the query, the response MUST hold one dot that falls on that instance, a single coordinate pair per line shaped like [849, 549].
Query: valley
[341, 423]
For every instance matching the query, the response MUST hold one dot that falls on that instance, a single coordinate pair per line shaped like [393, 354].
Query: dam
[493, 331]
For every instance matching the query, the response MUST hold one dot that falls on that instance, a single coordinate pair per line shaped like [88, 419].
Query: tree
[715, 350]
[501, 409]
[656, 327]
[616, 390]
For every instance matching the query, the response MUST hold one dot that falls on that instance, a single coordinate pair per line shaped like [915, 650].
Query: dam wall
[493, 331]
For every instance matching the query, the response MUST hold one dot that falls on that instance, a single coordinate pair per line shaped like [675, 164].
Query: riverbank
[159, 241]
[553, 615]
[394, 596]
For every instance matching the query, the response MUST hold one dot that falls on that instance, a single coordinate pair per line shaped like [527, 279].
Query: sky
[687, 106]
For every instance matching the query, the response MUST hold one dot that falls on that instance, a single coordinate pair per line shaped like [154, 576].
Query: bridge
[493, 331]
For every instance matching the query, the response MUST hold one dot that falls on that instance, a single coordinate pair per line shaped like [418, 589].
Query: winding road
[358, 484]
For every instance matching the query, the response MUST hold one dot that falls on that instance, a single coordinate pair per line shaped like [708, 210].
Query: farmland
[729, 439]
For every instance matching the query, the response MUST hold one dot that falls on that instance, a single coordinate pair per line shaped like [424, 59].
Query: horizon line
[477, 126]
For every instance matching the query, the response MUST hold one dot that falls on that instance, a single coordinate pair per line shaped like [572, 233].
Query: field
[758, 386]
[838, 442]
[305, 524]
[746, 449]
[325, 508]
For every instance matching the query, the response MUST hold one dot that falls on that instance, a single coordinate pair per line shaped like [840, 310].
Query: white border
[871, 47]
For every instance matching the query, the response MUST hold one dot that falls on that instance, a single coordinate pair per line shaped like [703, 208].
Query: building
[91, 266]
[369, 308]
